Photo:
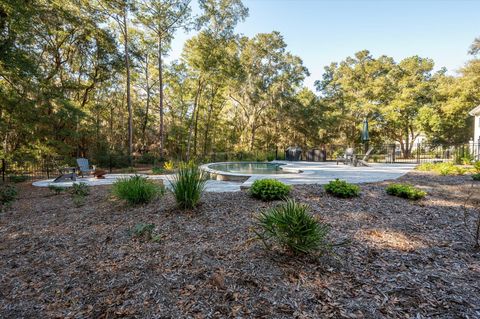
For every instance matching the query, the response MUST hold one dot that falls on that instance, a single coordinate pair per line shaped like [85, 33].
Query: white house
[476, 133]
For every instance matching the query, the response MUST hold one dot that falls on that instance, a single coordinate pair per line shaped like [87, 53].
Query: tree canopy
[89, 78]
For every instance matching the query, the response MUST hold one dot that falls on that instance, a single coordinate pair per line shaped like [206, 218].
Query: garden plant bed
[398, 258]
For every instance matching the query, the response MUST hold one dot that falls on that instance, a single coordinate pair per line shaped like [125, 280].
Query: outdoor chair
[84, 167]
[366, 157]
[348, 157]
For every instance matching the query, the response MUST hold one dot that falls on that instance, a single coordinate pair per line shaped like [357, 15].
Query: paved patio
[312, 173]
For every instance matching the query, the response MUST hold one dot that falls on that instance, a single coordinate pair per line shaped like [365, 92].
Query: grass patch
[292, 227]
[188, 185]
[136, 190]
[405, 191]
[269, 189]
[342, 189]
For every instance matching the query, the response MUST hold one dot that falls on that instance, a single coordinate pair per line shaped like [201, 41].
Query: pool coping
[228, 176]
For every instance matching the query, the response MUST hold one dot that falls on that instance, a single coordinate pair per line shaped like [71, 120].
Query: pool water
[249, 168]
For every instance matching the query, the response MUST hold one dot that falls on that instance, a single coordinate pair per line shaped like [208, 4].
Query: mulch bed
[399, 259]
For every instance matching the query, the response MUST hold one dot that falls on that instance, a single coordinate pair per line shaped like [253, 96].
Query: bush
[56, 189]
[292, 227]
[342, 189]
[269, 189]
[442, 168]
[169, 166]
[476, 166]
[405, 191]
[80, 189]
[157, 170]
[136, 190]
[8, 193]
[188, 185]
[142, 231]
[18, 178]
[476, 177]
[146, 158]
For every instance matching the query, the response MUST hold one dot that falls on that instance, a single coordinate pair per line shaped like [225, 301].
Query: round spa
[241, 171]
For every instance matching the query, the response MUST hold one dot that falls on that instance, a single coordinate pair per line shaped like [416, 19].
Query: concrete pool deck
[311, 173]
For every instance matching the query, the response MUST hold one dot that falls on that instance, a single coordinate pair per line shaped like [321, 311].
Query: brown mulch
[399, 259]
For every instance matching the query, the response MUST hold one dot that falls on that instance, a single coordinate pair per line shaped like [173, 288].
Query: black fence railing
[48, 167]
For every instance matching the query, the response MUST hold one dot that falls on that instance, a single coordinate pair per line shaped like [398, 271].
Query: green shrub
[78, 200]
[188, 185]
[8, 193]
[476, 166]
[80, 189]
[292, 227]
[342, 189]
[56, 189]
[18, 178]
[476, 177]
[136, 190]
[405, 191]
[157, 170]
[444, 169]
[169, 166]
[142, 231]
[425, 167]
[269, 189]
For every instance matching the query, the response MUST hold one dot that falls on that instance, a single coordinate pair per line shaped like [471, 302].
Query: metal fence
[48, 167]
[392, 153]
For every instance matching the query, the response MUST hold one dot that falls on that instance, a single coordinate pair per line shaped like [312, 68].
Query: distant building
[476, 133]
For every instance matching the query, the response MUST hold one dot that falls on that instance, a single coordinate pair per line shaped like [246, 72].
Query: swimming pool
[241, 171]
[248, 168]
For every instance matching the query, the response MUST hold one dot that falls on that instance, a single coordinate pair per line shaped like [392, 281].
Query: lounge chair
[348, 157]
[84, 167]
[364, 160]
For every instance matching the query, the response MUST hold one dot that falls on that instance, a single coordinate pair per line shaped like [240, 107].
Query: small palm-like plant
[188, 185]
[291, 226]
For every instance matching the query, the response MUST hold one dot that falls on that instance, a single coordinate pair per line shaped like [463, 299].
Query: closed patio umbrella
[365, 137]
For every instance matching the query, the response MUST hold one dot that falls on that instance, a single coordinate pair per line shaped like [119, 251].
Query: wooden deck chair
[84, 167]
[348, 157]
[366, 157]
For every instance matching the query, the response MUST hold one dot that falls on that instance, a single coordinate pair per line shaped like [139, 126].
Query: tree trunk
[190, 128]
[207, 129]
[147, 109]
[129, 103]
[195, 134]
[160, 83]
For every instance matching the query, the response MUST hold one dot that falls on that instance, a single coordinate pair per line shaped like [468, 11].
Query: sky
[321, 31]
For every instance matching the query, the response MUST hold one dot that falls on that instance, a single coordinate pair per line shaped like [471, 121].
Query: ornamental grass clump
[269, 189]
[188, 185]
[292, 227]
[342, 189]
[136, 190]
[405, 191]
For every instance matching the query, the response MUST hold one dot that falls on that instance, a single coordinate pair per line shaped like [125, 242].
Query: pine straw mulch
[399, 259]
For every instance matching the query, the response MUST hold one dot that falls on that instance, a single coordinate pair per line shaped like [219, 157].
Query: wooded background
[88, 78]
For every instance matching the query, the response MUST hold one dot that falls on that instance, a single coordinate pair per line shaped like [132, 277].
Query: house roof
[475, 111]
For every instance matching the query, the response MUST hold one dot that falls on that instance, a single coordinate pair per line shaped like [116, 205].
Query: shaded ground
[405, 259]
